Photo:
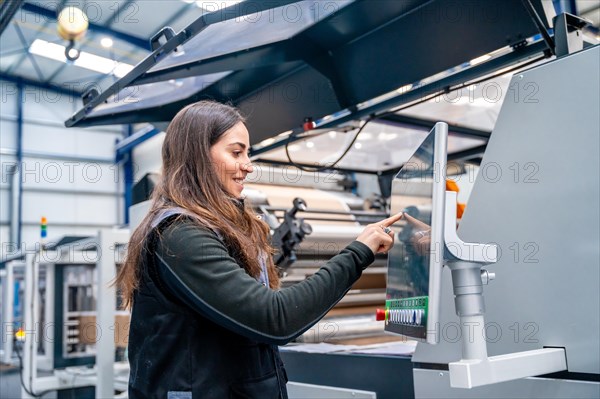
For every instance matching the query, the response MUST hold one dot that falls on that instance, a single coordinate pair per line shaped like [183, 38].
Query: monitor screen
[415, 261]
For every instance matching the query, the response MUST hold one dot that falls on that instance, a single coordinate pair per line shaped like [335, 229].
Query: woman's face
[229, 156]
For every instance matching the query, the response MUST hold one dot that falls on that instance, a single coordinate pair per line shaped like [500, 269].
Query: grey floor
[10, 384]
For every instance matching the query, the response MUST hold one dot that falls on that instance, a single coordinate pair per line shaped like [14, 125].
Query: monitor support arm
[465, 261]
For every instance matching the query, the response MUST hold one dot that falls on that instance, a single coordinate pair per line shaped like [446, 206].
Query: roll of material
[342, 328]
[329, 239]
[283, 197]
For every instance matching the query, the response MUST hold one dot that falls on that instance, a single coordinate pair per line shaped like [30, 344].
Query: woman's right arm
[196, 267]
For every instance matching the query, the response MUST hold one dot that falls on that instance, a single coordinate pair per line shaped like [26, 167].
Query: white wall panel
[46, 104]
[8, 98]
[71, 209]
[96, 144]
[30, 236]
[4, 240]
[6, 177]
[71, 175]
[147, 156]
[5, 201]
[3, 233]
[77, 197]
[8, 134]
[74, 142]
[48, 139]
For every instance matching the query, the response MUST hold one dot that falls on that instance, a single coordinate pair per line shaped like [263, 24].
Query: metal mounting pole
[470, 307]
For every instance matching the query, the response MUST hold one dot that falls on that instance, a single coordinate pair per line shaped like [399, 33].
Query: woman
[207, 314]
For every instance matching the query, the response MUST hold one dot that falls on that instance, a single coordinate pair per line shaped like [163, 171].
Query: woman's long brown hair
[190, 181]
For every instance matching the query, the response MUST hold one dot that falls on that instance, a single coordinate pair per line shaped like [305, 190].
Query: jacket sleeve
[196, 267]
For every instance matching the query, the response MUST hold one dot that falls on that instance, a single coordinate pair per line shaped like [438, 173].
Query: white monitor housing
[465, 261]
[426, 239]
[415, 263]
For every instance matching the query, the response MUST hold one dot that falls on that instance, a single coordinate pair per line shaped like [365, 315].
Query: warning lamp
[20, 335]
[381, 314]
[308, 124]
[44, 227]
[460, 207]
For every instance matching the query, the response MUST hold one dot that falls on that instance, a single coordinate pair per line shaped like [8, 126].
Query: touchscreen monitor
[415, 261]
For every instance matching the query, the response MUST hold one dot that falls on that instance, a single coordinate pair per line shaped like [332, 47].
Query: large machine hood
[283, 61]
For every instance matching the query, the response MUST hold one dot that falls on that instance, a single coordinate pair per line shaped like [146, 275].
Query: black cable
[28, 391]
[322, 168]
[393, 111]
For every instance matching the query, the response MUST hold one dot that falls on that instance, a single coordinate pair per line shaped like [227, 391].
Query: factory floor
[336, 369]
[10, 384]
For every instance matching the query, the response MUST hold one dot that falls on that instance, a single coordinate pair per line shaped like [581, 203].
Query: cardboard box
[90, 332]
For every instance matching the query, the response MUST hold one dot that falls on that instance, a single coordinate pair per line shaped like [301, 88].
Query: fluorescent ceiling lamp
[86, 60]
[266, 142]
[123, 69]
[386, 136]
[95, 63]
[215, 5]
[106, 42]
[404, 89]
[48, 50]
[479, 60]
[475, 102]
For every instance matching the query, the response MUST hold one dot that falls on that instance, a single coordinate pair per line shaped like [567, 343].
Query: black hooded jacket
[201, 327]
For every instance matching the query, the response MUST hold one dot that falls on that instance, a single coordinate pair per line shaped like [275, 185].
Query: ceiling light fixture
[266, 142]
[404, 88]
[121, 69]
[479, 60]
[365, 136]
[84, 60]
[49, 50]
[106, 42]
[72, 23]
[72, 53]
[475, 102]
[212, 6]
[383, 136]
